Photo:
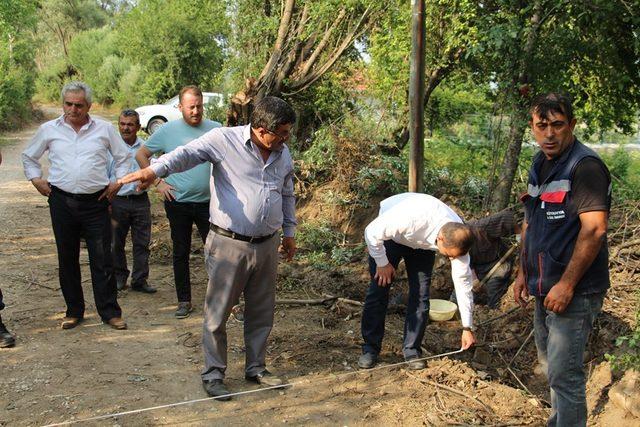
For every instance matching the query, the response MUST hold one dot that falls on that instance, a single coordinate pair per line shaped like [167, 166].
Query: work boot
[184, 309]
[6, 339]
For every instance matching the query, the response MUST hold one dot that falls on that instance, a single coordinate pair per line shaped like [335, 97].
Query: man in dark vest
[564, 260]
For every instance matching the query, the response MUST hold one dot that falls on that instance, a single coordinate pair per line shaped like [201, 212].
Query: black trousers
[419, 264]
[73, 217]
[1, 303]
[131, 213]
[182, 216]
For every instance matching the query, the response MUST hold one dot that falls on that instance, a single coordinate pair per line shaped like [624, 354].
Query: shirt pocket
[554, 208]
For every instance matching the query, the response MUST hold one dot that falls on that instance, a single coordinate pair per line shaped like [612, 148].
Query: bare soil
[53, 376]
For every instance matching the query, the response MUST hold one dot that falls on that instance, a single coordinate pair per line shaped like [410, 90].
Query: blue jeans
[419, 264]
[561, 340]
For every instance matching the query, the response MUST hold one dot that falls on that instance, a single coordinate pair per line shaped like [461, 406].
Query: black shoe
[184, 309]
[265, 378]
[6, 339]
[145, 288]
[415, 364]
[120, 285]
[367, 360]
[216, 388]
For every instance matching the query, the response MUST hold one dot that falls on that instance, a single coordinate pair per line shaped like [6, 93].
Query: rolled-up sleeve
[463, 284]
[32, 154]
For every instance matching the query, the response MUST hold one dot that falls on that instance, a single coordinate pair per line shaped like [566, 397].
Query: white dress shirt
[414, 220]
[79, 160]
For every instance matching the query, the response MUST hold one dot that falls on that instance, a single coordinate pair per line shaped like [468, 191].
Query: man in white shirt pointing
[412, 226]
[78, 191]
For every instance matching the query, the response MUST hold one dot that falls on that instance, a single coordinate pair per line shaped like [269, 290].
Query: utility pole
[416, 96]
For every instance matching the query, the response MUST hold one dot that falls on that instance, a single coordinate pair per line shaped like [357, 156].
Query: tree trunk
[501, 195]
[502, 191]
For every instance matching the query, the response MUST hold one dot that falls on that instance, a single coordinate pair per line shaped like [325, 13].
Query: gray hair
[77, 87]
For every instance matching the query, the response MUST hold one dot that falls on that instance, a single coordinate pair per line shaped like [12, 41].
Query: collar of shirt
[60, 121]
[248, 142]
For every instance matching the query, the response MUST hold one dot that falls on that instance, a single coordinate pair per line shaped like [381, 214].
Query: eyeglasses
[74, 104]
[282, 137]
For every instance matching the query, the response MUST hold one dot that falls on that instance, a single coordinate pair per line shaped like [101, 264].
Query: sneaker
[6, 339]
[367, 360]
[216, 388]
[415, 364]
[184, 309]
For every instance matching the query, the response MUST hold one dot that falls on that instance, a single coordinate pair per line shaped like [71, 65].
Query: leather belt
[80, 197]
[228, 233]
[134, 196]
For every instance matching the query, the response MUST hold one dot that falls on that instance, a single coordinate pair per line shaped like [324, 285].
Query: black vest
[553, 225]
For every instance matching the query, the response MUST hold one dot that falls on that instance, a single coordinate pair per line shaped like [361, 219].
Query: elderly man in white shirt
[78, 191]
[412, 226]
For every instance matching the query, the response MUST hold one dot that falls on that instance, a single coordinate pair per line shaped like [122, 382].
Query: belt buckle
[233, 235]
[252, 239]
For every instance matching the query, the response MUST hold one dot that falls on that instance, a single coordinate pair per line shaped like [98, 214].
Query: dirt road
[53, 376]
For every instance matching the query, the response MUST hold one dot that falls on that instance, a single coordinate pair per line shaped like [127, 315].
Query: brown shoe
[117, 323]
[70, 322]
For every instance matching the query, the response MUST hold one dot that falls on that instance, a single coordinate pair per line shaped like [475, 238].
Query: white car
[154, 116]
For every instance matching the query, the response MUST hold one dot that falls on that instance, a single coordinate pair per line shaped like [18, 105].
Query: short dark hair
[191, 89]
[552, 102]
[271, 112]
[457, 235]
[128, 112]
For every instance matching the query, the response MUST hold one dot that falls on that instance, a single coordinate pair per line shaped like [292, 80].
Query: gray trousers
[133, 213]
[236, 267]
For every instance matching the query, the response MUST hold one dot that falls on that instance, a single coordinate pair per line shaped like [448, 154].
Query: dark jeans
[561, 340]
[181, 217]
[419, 264]
[133, 212]
[87, 217]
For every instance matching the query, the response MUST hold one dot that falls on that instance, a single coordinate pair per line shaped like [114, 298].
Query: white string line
[240, 393]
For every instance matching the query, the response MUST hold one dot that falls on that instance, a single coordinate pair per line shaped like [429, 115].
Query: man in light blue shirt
[131, 210]
[252, 198]
[186, 195]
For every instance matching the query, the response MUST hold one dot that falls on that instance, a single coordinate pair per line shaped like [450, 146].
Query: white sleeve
[31, 155]
[375, 234]
[463, 284]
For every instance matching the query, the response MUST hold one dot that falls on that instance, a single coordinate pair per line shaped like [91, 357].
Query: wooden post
[416, 96]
